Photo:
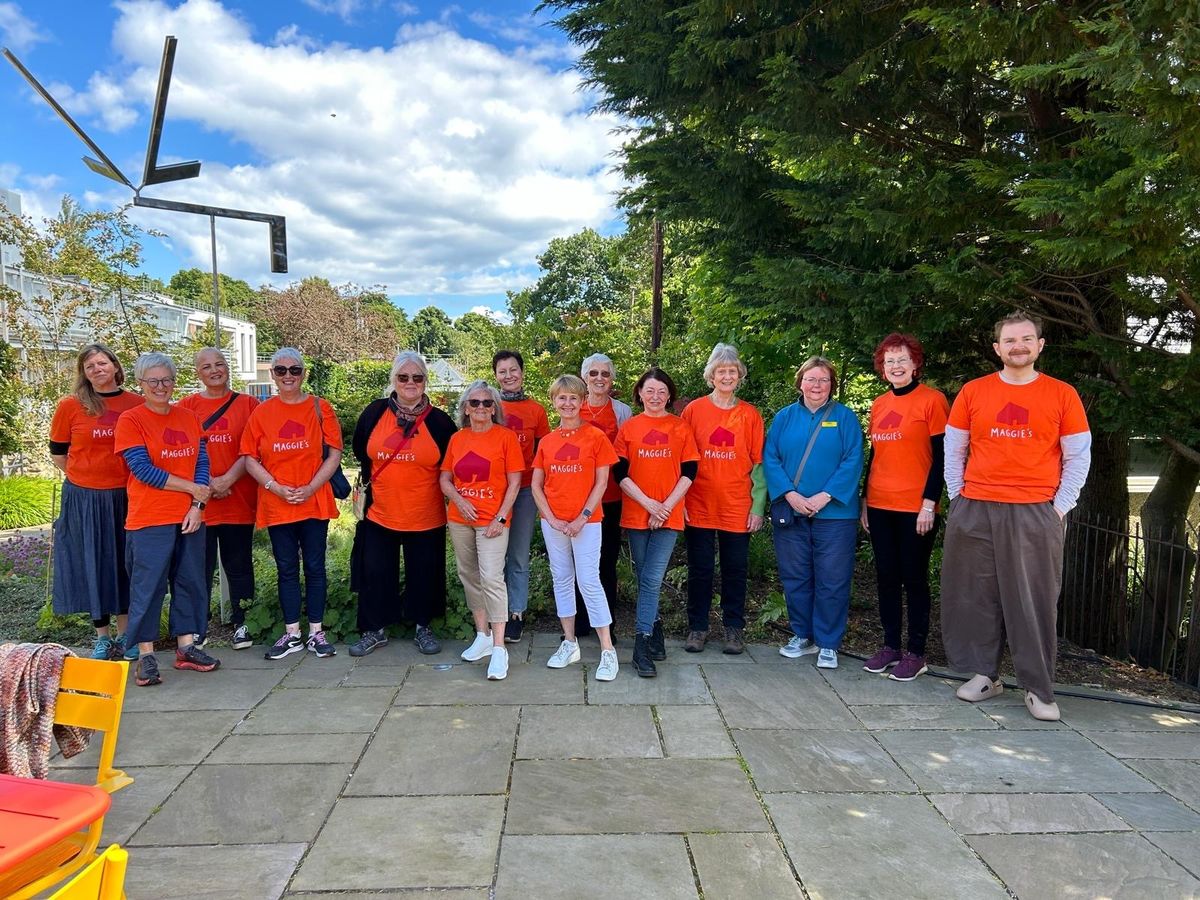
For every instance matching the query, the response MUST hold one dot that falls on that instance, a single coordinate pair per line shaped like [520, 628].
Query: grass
[26, 501]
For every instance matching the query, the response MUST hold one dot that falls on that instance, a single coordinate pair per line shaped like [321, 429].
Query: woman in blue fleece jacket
[815, 550]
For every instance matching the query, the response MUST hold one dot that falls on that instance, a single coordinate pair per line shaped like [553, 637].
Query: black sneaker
[512, 631]
[368, 643]
[318, 645]
[192, 657]
[147, 671]
[241, 638]
[657, 645]
[287, 643]
[425, 641]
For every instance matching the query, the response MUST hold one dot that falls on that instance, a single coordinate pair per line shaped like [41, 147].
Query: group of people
[157, 491]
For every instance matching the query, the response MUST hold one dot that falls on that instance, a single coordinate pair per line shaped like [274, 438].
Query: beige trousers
[480, 562]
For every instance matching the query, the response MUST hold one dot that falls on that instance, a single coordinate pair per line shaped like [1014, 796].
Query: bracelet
[267, 486]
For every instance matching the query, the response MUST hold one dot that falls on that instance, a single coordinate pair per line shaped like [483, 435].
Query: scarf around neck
[406, 415]
[513, 396]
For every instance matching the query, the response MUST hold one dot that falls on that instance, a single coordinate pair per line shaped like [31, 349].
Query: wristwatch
[198, 504]
[502, 520]
[587, 513]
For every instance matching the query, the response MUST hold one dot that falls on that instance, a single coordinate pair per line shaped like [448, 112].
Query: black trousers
[235, 543]
[703, 544]
[377, 565]
[610, 552]
[902, 566]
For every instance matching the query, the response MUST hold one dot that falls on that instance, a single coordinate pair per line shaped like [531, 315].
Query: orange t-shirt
[286, 439]
[91, 460]
[224, 449]
[569, 461]
[1014, 454]
[172, 440]
[527, 420]
[605, 418]
[481, 462]
[730, 442]
[405, 496]
[655, 447]
[900, 429]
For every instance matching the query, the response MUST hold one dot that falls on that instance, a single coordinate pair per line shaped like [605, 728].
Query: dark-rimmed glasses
[288, 370]
[158, 382]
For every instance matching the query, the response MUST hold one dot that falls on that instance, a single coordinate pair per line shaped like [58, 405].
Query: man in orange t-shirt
[1018, 451]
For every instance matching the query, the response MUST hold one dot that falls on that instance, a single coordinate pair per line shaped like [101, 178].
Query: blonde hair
[84, 392]
[819, 362]
[723, 355]
[568, 384]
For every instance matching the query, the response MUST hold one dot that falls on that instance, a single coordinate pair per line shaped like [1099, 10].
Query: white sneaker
[797, 647]
[566, 654]
[498, 666]
[607, 670]
[827, 659]
[479, 649]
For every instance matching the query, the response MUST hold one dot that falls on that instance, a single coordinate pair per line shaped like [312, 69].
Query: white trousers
[574, 560]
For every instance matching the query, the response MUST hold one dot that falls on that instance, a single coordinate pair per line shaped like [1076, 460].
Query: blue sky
[431, 148]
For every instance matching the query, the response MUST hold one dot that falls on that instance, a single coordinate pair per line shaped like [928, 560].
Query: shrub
[26, 501]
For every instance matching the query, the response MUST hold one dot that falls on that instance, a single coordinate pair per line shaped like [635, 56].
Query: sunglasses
[288, 370]
[405, 379]
[596, 373]
[486, 404]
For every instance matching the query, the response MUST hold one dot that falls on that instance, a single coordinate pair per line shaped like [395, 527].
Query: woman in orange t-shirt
[481, 475]
[282, 444]
[399, 442]
[570, 473]
[89, 534]
[657, 463]
[905, 473]
[727, 501]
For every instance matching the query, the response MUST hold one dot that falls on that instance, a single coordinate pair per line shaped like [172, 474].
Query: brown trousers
[1002, 573]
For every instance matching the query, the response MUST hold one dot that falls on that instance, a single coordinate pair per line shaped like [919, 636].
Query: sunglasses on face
[288, 370]
[415, 379]
[596, 373]
[486, 404]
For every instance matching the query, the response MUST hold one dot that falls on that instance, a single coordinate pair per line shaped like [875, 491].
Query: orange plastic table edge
[93, 803]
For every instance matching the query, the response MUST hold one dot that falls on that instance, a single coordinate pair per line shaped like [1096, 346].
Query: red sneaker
[192, 657]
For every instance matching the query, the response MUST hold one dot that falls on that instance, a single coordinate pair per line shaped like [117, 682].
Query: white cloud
[405, 9]
[344, 9]
[496, 315]
[16, 30]
[438, 164]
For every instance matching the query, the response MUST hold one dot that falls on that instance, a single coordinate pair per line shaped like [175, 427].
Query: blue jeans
[159, 557]
[651, 549]
[521, 520]
[816, 566]
[288, 543]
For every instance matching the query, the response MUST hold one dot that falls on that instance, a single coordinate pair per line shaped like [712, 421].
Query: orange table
[37, 814]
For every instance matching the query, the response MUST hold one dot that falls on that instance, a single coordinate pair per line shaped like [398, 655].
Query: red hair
[896, 339]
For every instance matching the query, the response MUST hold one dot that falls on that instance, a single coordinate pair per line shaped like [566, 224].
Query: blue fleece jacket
[835, 464]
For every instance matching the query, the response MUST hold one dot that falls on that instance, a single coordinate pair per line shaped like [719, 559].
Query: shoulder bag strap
[208, 423]
[812, 440]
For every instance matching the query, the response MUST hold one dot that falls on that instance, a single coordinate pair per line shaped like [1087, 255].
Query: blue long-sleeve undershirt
[146, 472]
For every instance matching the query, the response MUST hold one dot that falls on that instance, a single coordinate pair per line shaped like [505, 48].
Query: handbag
[782, 514]
[360, 497]
[338, 480]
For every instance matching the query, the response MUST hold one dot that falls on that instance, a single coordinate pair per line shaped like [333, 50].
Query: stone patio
[726, 777]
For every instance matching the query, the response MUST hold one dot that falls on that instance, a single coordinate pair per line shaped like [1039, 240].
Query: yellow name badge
[829, 424]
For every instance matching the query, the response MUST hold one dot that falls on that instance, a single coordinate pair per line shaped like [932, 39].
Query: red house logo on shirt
[397, 441]
[1013, 415]
[222, 424]
[291, 430]
[891, 421]
[516, 423]
[109, 417]
[173, 438]
[721, 437]
[472, 468]
[567, 453]
[654, 436]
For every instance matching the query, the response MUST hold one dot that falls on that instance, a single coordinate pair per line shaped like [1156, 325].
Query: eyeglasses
[898, 361]
[405, 379]
[288, 370]
[596, 373]
[816, 381]
[486, 404]
[158, 382]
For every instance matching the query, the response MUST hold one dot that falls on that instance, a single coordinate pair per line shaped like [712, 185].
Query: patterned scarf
[407, 415]
[512, 396]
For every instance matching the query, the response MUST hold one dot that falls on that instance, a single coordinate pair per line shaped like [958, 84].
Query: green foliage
[10, 400]
[432, 332]
[349, 388]
[26, 501]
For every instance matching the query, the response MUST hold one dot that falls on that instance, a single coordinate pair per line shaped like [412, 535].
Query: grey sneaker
[147, 671]
[241, 638]
[368, 643]
[827, 659]
[318, 645]
[425, 641]
[567, 653]
[797, 647]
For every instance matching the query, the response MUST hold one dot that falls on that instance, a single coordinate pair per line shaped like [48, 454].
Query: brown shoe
[695, 641]
[734, 642]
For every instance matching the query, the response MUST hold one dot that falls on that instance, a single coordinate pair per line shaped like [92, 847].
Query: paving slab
[131, 806]
[160, 739]
[195, 691]
[676, 685]
[1027, 813]
[246, 872]
[1179, 778]
[438, 750]
[588, 732]
[403, 652]
[737, 866]
[1124, 866]
[259, 749]
[877, 845]
[1152, 812]
[619, 796]
[414, 842]
[465, 683]
[601, 866]
[819, 761]
[1148, 744]
[942, 717]
[1008, 762]
[324, 710]
[222, 804]
[431, 894]
[250, 658]
[694, 732]
[1103, 715]
[1183, 847]
[316, 671]
[778, 697]
[376, 676]
[859, 688]
[1009, 712]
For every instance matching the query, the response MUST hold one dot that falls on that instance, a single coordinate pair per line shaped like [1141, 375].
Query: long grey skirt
[89, 552]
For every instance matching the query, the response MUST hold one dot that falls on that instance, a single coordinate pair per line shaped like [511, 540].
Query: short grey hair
[203, 350]
[723, 355]
[404, 357]
[287, 353]
[595, 359]
[153, 360]
[462, 416]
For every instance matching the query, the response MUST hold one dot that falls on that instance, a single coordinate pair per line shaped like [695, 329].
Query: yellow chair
[90, 695]
[104, 879]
